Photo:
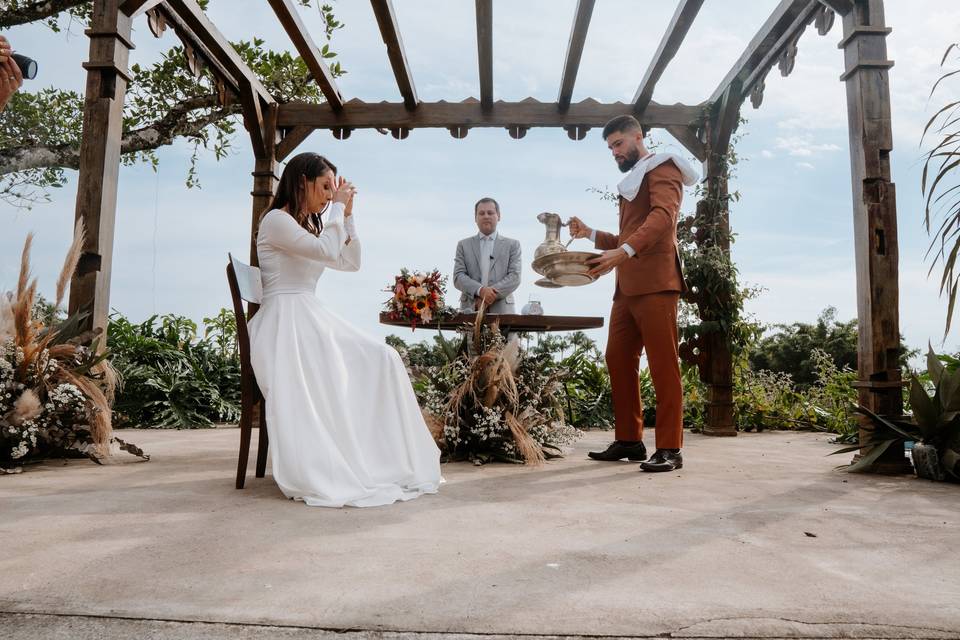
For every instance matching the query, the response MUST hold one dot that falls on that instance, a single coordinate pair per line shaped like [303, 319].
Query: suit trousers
[637, 323]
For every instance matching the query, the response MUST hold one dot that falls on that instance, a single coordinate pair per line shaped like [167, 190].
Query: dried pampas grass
[71, 261]
[7, 326]
[25, 408]
[530, 451]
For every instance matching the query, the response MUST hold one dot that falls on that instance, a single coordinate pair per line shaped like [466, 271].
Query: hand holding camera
[14, 67]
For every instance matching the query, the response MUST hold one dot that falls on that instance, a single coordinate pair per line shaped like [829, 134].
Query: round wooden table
[513, 322]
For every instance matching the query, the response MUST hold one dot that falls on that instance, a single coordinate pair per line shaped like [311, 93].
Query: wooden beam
[687, 136]
[571, 64]
[874, 219]
[485, 51]
[186, 34]
[529, 113]
[290, 19]
[218, 46]
[387, 21]
[133, 8]
[767, 37]
[293, 139]
[805, 17]
[842, 7]
[669, 45]
[110, 32]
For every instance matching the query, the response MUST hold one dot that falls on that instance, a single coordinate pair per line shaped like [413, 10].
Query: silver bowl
[566, 269]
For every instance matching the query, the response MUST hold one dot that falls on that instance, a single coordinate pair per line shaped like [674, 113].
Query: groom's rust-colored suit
[644, 313]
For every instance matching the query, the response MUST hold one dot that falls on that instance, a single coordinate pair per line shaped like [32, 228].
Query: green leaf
[866, 461]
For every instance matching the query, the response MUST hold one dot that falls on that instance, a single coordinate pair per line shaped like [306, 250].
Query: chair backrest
[245, 284]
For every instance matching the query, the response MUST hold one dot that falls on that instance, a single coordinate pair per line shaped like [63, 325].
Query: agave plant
[941, 187]
[938, 421]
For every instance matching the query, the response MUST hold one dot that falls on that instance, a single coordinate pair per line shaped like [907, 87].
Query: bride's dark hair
[307, 165]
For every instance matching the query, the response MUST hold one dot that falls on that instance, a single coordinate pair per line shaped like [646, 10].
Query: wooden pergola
[705, 129]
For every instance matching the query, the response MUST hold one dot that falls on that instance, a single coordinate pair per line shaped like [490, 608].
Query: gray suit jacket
[505, 270]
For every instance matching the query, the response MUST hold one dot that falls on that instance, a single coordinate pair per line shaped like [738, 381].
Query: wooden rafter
[766, 39]
[571, 65]
[682, 20]
[842, 7]
[485, 51]
[133, 8]
[292, 140]
[529, 113]
[806, 16]
[218, 46]
[290, 19]
[387, 21]
[187, 36]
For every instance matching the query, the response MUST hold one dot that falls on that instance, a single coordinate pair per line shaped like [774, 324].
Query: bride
[342, 418]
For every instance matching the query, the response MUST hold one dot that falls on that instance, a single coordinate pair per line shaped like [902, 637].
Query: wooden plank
[219, 47]
[290, 19]
[292, 140]
[588, 113]
[390, 31]
[133, 8]
[96, 202]
[797, 27]
[673, 37]
[767, 37]
[571, 64]
[842, 7]
[485, 51]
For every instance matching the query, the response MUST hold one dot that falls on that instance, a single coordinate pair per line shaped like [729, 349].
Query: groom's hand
[578, 229]
[607, 262]
[487, 294]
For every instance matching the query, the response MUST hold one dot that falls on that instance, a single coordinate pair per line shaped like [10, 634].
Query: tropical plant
[172, 377]
[940, 184]
[937, 419]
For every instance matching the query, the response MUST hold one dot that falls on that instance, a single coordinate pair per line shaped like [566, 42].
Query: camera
[28, 66]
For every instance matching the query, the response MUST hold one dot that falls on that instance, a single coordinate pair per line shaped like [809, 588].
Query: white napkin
[630, 185]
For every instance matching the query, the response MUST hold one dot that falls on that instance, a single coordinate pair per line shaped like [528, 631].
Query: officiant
[487, 265]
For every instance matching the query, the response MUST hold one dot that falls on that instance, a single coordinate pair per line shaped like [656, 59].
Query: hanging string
[156, 224]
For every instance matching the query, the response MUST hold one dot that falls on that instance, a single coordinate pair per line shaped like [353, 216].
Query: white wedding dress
[344, 424]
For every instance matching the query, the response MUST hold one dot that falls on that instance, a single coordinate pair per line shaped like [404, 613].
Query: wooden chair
[245, 285]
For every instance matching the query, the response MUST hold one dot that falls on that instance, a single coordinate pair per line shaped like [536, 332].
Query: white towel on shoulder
[630, 185]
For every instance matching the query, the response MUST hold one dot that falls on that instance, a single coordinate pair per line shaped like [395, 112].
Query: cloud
[804, 146]
[806, 165]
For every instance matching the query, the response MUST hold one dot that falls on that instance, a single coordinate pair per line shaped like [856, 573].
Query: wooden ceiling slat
[571, 64]
[290, 20]
[485, 51]
[673, 37]
[387, 21]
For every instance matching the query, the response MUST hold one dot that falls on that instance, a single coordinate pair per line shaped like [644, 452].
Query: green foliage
[792, 348]
[173, 378]
[940, 184]
[40, 131]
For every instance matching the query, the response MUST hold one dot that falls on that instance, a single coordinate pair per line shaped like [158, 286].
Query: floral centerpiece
[55, 391]
[418, 298]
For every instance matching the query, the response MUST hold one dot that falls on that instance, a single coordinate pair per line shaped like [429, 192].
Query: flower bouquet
[418, 298]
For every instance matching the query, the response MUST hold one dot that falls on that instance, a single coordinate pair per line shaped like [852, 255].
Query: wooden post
[266, 172]
[107, 79]
[874, 217]
[717, 370]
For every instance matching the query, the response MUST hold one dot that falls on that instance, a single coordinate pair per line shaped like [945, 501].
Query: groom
[649, 277]
[487, 265]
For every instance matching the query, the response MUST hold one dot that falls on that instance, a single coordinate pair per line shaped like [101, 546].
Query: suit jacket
[505, 270]
[648, 223]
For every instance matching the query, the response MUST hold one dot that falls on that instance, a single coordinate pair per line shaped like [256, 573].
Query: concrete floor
[757, 537]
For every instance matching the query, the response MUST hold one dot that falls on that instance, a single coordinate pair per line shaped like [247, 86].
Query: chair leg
[262, 442]
[245, 420]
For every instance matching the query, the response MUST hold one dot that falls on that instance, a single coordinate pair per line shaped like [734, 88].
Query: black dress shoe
[620, 449]
[663, 460]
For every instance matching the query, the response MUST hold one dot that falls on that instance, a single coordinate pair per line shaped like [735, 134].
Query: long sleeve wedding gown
[344, 424]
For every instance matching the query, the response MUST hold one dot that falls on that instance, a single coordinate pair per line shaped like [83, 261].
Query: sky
[793, 222]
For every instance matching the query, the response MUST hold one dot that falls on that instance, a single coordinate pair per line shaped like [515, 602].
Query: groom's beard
[629, 161]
